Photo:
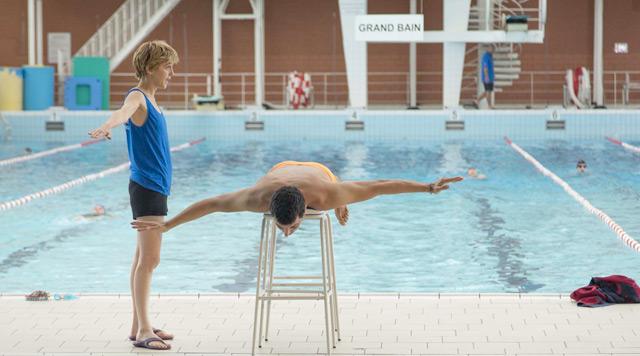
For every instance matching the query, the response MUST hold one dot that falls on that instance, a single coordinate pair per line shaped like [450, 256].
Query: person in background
[98, 211]
[487, 77]
[473, 173]
[581, 166]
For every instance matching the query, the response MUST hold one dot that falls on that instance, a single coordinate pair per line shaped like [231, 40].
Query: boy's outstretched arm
[132, 103]
[352, 192]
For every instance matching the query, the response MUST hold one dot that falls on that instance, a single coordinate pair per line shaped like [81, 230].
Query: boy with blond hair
[150, 180]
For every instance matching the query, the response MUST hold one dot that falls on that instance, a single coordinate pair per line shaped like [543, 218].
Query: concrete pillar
[413, 72]
[258, 45]
[217, 46]
[31, 30]
[355, 52]
[598, 75]
[456, 18]
[39, 31]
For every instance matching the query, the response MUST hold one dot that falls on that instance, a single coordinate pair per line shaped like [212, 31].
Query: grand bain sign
[389, 28]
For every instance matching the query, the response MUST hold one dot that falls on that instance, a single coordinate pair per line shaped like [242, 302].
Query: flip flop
[146, 344]
[155, 331]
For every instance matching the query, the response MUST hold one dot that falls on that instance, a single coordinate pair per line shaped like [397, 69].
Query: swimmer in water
[473, 173]
[581, 167]
[98, 211]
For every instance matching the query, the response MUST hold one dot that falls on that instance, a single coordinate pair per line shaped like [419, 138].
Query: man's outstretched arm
[353, 192]
[242, 200]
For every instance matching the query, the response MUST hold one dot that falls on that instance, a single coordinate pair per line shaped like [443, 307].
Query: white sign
[389, 28]
[621, 48]
[58, 41]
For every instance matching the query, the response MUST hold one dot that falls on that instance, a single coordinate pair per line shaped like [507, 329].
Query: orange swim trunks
[320, 166]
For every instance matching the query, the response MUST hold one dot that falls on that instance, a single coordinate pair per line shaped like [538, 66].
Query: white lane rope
[622, 235]
[624, 144]
[88, 178]
[52, 151]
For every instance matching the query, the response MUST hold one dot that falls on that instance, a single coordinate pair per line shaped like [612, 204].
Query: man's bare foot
[342, 214]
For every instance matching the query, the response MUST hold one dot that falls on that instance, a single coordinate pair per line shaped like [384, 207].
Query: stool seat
[317, 287]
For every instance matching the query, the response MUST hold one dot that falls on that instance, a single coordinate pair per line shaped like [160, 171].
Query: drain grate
[354, 125]
[54, 126]
[454, 125]
[555, 125]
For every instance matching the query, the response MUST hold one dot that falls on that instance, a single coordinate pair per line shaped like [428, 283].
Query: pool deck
[398, 324]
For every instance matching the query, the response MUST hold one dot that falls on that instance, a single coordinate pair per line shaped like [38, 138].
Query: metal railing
[536, 15]
[544, 88]
[500, 9]
[329, 89]
[533, 89]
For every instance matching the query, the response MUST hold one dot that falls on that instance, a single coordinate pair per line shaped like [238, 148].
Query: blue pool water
[515, 231]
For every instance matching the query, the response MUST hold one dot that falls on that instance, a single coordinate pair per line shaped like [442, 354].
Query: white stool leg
[324, 283]
[333, 280]
[258, 286]
[272, 262]
[332, 312]
[270, 237]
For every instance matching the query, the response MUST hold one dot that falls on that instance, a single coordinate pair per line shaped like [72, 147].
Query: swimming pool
[515, 231]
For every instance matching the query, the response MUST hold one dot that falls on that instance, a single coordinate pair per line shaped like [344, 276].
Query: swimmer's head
[472, 172]
[28, 150]
[99, 209]
[581, 166]
[288, 207]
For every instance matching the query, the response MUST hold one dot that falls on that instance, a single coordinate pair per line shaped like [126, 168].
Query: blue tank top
[149, 150]
[487, 62]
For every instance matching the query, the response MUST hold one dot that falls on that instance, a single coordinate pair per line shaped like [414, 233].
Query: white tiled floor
[371, 324]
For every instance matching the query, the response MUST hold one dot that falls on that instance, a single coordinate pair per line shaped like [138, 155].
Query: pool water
[515, 231]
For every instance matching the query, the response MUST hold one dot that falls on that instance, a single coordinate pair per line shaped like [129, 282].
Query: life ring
[299, 89]
[579, 87]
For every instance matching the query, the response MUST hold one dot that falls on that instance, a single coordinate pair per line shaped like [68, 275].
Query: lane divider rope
[624, 144]
[622, 235]
[88, 178]
[52, 151]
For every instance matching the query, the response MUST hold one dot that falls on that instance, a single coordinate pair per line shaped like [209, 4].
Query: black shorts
[146, 202]
[488, 86]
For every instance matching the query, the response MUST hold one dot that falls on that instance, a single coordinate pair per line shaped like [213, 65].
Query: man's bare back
[313, 182]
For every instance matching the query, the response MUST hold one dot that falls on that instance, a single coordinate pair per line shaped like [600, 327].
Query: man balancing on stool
[289, 188]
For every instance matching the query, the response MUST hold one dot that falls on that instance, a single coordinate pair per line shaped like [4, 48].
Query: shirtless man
[289, 188]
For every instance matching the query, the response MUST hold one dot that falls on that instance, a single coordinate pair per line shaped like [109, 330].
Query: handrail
[533, 88]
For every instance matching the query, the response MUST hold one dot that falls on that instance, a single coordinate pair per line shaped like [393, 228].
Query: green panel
[97, 67]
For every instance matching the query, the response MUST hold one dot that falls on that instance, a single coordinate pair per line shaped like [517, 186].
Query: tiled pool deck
[426, 324]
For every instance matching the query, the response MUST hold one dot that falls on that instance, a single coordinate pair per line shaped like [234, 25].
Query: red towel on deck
[603, 291]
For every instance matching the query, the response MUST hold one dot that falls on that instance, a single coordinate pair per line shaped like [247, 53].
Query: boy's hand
[100, 133]
[145, 225]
